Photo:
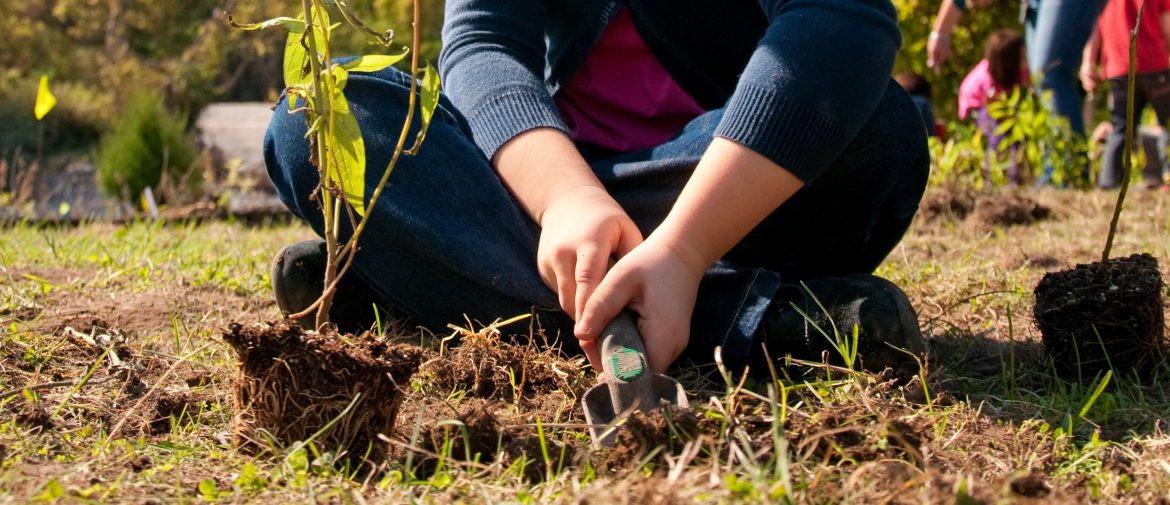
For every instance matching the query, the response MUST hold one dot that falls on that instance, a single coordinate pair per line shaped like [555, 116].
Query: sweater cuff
[793, 136]
[960, 4]
[510, 114]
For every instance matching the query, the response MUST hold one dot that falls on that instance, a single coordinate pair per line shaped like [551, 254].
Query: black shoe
[797, 325]
[298, 279]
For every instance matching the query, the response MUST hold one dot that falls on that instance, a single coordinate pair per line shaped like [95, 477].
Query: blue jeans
[1055, 33]
[447, 238]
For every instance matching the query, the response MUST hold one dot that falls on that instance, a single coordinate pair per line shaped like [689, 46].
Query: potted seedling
[293, 386]
[1105, 315]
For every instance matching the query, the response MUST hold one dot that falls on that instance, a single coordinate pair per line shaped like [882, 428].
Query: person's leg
[1111, 160]
[1157, 89]
[844, 223]
[1056, 39]
[446, 238]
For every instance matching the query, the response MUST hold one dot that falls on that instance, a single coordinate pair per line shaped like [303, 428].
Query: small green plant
[1044, 138]
[146, 143]
[315, 82]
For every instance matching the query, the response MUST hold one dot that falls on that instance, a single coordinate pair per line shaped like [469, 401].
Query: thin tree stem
[1127, 155]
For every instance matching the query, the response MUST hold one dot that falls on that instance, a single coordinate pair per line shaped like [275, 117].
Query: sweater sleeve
[813, 81]
[492, 64]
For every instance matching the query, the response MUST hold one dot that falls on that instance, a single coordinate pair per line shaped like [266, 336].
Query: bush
[146, 143]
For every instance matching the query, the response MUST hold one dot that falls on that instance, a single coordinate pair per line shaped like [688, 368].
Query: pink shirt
[979, 89]
[621, 98]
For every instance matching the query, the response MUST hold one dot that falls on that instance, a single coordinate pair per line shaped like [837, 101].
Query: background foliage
[916, 18]
[147, 142]
[97, 52]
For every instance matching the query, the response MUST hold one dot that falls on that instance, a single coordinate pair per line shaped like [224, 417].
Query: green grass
[983, 416]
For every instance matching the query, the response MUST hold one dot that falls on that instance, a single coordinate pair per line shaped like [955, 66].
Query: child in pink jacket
[1003, 68]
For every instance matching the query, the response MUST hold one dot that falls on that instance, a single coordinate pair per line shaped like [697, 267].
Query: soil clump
[1008, 208]
[506, 388]
[487, 367]
[946, 202]
[291, 384]
[985, 209]
[1099, 316]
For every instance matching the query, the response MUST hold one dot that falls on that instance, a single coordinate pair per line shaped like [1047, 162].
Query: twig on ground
[49, 385]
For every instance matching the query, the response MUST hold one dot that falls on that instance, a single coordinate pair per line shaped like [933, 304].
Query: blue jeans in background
[1056, 32]
[447, 238]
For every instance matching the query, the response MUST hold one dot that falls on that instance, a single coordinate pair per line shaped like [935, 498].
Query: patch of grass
[985, 420]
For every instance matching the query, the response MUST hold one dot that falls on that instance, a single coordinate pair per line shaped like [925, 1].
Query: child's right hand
[581, 230]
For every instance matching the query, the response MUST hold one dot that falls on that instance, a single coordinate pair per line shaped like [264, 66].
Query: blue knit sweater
[798, 78]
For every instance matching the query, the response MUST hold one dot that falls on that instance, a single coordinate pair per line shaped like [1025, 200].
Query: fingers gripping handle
[623, 361]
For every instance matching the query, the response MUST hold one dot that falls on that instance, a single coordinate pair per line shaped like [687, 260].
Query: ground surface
[116, 386]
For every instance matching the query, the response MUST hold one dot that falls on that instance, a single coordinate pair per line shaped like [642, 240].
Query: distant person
[919, 89]
[1055, 32]
[1004, 67]
[1153, 140]
[1110, 46]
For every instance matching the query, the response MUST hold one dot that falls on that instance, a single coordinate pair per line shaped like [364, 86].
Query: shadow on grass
[1015, 380]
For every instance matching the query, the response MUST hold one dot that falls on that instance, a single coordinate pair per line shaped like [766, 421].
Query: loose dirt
[983, 209]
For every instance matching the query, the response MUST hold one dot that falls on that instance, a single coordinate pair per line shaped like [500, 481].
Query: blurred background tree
[98, 52]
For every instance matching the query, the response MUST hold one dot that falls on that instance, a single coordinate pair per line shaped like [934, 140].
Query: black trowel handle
[623, 361]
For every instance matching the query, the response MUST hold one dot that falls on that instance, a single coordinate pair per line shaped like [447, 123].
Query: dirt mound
[1099, 316]
[667, 427]
[291, 385]
[1008, 208]
[478, 431]
[173, 405]
[946, 202]
[984, 209]
[486, 367]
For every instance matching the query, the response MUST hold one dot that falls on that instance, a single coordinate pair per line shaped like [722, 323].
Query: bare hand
[938, 51]
[580, 232]
[1088, 78]
[657, 284]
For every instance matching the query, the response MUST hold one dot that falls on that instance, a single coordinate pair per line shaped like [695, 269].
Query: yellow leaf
[45, 99]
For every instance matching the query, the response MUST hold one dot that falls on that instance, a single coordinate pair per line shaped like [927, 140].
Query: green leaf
[297, 70]
[53, 491]
[375, 62]
[296, 63]
[293, 25]
[347, 152]
[208, 490]
[430, 93]
[430, 101]
[340, 78]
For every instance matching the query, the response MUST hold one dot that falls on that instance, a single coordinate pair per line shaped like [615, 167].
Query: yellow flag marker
[45, 99]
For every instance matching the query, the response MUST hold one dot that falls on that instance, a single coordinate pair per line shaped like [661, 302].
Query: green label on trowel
[627, 364]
